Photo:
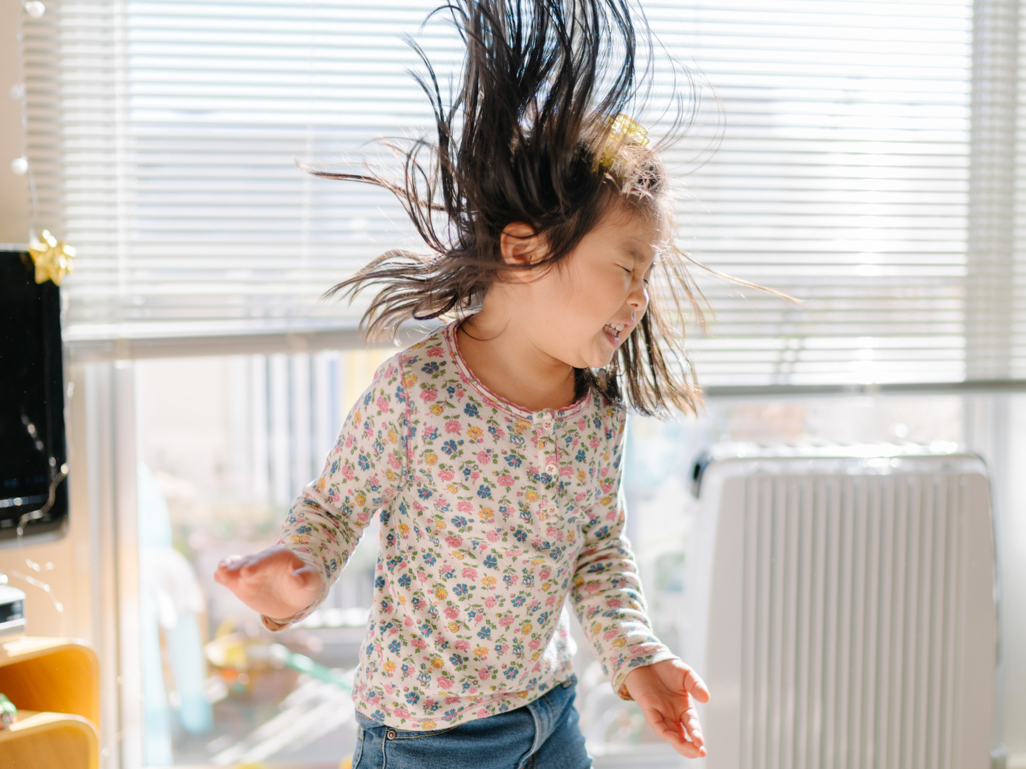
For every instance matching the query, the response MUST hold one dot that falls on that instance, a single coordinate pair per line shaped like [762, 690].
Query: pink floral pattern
[490, 515]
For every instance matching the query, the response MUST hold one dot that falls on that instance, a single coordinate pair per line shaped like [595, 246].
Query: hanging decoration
[52, 258]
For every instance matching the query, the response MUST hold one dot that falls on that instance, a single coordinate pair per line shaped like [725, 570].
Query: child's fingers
[694, 685]
[227, 570]
[677, 736]
[692, 727]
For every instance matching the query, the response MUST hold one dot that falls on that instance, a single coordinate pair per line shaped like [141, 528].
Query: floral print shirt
[490, 515]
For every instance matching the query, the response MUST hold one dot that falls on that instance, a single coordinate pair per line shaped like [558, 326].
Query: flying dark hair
[532, 135]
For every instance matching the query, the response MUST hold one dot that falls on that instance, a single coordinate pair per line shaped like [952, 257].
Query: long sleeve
[363, 474]
[606, 592]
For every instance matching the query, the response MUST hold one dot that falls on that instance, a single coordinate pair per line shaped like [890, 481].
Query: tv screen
[33, 494]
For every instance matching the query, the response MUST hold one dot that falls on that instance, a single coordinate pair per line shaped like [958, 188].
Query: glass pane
[225, 444]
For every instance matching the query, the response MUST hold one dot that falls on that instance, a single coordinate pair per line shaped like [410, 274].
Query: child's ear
[520, 244]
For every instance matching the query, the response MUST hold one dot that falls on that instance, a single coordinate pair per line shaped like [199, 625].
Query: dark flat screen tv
[33, 453]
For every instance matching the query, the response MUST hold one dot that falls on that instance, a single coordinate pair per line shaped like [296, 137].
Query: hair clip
[623, 130]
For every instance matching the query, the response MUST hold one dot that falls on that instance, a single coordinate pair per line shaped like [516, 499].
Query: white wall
[14, 190]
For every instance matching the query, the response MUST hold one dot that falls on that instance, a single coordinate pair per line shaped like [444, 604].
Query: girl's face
[582, 310]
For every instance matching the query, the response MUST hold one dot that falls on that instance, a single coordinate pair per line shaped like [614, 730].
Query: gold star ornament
[52, 258]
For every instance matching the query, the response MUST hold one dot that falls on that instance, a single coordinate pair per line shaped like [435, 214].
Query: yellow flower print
[523, 424]
[578, 581]
[439, 522]
[526, 628]
[535, 656]
[545, 586]
[596, 628]
[486, 514]
[618, 642]
[436, 662]
[452, 488]
[454, 626]
[474, 432]
[404, 529]
[430, 457]
[441, 593]
[393, 436]
[605, 501]
[531, 495]
[360, 500]
[537, 561]
[580, 476]
[436, 409]
[488, 581]
[389, 474]
[389, 666]
[321, 483]
[481, 652]
[428, 726]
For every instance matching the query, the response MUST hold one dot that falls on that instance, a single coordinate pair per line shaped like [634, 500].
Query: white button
[551, 467]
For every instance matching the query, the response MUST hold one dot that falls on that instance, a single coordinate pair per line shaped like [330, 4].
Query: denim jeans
[543, 734]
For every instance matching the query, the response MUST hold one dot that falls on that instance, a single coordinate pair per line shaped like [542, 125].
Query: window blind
[865, 152]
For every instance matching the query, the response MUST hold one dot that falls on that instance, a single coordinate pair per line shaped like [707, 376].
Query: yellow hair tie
[623, 130]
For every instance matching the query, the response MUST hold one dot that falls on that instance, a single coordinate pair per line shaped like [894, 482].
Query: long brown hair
[532, 136]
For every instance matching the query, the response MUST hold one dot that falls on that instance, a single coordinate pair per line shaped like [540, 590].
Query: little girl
[492, 449]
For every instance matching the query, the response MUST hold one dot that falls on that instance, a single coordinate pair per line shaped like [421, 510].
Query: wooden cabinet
[54, 683]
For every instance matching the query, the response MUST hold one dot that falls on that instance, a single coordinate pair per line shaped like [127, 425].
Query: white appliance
[12, 610]
[841, 606]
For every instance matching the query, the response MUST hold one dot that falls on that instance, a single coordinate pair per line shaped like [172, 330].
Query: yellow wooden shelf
[54, 683]
[47, 740]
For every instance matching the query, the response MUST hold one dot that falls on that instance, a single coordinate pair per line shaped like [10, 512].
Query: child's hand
[665, 691]
[274, 582]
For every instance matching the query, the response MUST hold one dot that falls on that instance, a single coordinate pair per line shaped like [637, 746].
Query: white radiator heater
[841, 607]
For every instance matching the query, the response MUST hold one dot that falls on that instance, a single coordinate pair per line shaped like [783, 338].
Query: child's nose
[638, 297]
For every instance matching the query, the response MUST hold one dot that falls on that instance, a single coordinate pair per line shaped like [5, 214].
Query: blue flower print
[491, 562]
[513, 460]
[394, 647]
[430, 367]
[485, 633]
[470, 410]
[449, 447]
[461, 590]
[363, 462]
[484, 492]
